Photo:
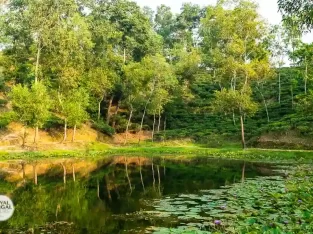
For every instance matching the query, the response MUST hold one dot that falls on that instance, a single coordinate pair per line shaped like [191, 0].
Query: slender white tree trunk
[74, 133]
[141, 178]
[153, 128]
[127, 175]
[37, 62]
[36, 134]
[109, 109]
[265, 104]
[159, 123]
[65, 131]
[159, 178]
[73, 171]
[242, 132]
[279, 87]
[306, 77]
[128, 123]
[115, 113]
[243, 173]
[99, 110]
[64, 172]
[35, 173]
[153, 177]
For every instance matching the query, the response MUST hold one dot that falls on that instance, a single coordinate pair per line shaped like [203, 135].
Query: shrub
[103, 128]
[6, 118]
[120, 124]
[3, 102]
[53, 122]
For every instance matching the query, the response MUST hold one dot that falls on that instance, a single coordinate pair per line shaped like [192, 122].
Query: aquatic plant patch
[277, 204]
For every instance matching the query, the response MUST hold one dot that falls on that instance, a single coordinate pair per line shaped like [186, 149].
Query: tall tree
[31, 105]
[72, 108]
[302, 9]
[303, 56]
[230, 101]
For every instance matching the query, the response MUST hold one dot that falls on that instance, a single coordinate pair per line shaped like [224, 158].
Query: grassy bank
[179, 151]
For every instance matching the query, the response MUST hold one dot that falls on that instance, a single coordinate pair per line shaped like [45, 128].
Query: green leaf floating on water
[260, 205]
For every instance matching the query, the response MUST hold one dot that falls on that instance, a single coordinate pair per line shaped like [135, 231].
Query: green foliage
[228, 101]
[186, 68]
[3, 102]
[271, 204]
[73, 106]
[53, 122]
[104, 128]
[6, 118]
[31, 105]
[300, 9]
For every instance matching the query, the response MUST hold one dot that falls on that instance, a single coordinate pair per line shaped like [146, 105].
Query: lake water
[127, 195]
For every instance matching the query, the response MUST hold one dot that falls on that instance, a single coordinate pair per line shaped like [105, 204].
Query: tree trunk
[242, 132]
[141, 178]
[141, 124]
[265, 104]
[266, 109]
[74, 133]
[99, 110]
[152, 167]
[65, 131]
[106, 178]
[37, 63]
[159, 123]
[234, 120]
[64, 172]
[243, 173]
[98, 189]
[159, 177]
[128, 179]
[73, 171]
[233, 80]
[306, 77]
[128, 123]
[23, 172]
[164, 128]
[145, 110]
[115, 187]
[36, 134]
[24, 137]
[35, 173]
[109, 109]
[279, 87]
[153, 127]
[115, 113]
[246, 80]
[292, 97]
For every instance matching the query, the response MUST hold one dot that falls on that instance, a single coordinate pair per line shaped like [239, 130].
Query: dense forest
[209, 74]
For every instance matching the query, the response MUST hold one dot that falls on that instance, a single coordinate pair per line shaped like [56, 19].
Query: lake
[141, 195]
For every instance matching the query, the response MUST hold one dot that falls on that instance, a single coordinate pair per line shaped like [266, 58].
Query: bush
[3, 102]
[135, 127]
[53, 122]
[120, 124]
[103, 128]
[6, 118]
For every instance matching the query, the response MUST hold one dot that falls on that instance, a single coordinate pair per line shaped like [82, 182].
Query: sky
[267, 8]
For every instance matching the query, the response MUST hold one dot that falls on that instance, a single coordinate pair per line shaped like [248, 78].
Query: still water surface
[121, 195]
